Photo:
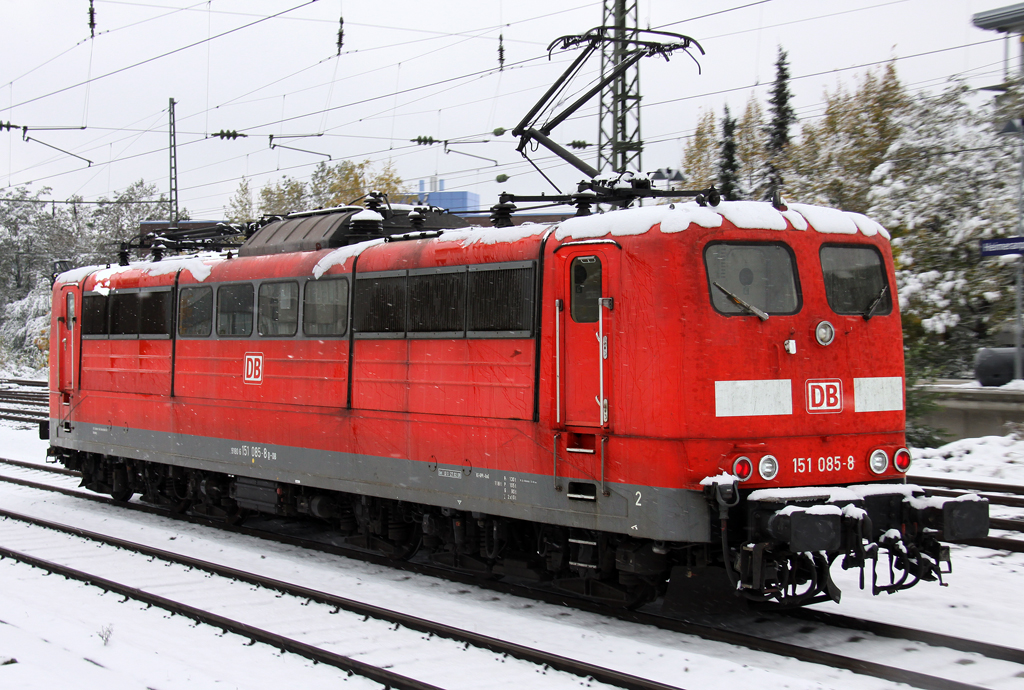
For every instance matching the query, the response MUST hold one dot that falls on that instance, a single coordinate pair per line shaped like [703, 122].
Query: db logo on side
[253, 367]
[824, 395]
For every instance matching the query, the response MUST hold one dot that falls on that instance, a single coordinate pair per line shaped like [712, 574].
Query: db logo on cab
[824, 395]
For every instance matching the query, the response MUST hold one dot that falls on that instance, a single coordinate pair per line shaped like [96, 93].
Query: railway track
[20, 405]
[709, 632]
[303, 596]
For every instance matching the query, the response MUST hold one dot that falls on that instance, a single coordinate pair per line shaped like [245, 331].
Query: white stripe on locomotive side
[878, 394]
[760, 398]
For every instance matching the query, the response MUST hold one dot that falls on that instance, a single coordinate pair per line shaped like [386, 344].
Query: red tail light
[901, 461]
[743, 468]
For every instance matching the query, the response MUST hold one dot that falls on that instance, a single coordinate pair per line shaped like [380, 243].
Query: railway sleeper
[608, 567]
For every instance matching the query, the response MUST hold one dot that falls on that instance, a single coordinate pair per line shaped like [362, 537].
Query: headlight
[824, 333]
[901, 460]
[879, 461]
[742, 468]
[768, 467]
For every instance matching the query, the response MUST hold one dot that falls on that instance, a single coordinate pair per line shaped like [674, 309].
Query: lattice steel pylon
[618, 131]
[173, 196]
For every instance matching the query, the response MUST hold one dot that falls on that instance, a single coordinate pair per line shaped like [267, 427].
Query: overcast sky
[408, 69]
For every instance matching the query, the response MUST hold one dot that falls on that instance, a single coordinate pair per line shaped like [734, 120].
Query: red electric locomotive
[605, 403]
[597, 402]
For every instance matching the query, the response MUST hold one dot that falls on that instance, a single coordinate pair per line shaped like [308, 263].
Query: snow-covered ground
[66, 634]
[996, 459]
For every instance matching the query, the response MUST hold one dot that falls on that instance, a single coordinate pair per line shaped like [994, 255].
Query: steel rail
[27, 420]
[40, 414]
[282, 642]
[1013, 501]
[967, 485]
[995, 543]
[30, 398]
[899, 632]
[707, 632]
[51, 467]
[1012, 524]
[529, 654]
[24, 382]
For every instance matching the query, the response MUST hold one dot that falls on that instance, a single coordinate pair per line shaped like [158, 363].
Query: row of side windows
[487, 300]
[127, 314]
[324, 312]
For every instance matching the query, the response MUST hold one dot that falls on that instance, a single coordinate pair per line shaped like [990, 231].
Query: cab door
[589, 277]
[67, 326]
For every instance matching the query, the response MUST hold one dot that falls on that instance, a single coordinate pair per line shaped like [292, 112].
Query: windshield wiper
[874, 305]
[746, 305]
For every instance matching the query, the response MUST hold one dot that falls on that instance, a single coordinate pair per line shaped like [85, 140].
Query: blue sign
[1003, 245]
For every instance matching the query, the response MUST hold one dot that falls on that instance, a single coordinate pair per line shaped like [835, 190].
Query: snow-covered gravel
[54, 628]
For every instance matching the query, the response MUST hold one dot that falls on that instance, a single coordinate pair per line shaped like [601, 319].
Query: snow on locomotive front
[776, 341]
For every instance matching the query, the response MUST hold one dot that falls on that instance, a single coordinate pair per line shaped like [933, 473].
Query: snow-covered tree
[947, 182]
[835, 156]
[25, 331]
[20, 247]
[117, 220]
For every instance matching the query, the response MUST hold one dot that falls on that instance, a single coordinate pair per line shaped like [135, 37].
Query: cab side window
[195, 311]
[585, 273]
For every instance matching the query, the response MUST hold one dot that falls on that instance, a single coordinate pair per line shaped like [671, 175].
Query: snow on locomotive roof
[743, 214]
[672, 218]
[515, 233]
[341, 254]
[637, 221]
[199, 265]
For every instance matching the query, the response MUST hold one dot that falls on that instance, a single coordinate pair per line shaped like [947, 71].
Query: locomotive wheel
[236, 516]
[640, 594]
[179, 507]
[122, 495]
[407, 548]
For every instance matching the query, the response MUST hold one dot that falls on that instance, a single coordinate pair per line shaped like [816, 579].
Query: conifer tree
[728, 167]
[782, 118]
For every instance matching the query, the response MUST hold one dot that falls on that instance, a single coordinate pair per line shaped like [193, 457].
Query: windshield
[854, 280]
[761, 275]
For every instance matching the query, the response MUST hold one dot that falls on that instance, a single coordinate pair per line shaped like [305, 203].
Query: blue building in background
[456, 202]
